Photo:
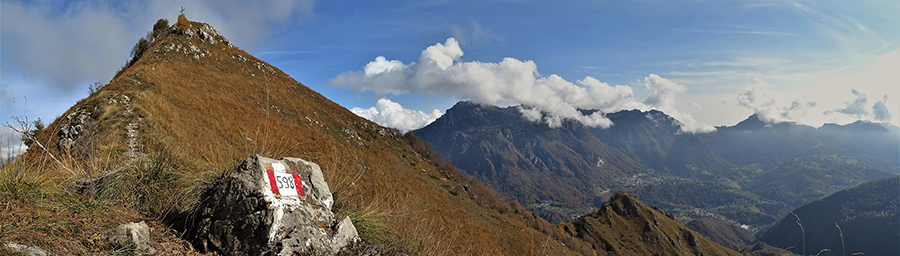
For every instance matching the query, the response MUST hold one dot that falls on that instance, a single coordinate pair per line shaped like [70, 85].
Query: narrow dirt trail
[132, 131]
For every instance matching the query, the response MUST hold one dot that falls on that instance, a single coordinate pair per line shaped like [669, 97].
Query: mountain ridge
[536, 150]
[604, 229]
[732, 158]
[194, 106]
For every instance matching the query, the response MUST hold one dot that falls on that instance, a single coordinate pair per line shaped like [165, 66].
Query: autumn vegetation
[198, 118]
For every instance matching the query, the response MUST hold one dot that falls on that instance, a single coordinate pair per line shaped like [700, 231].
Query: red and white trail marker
[282, 182]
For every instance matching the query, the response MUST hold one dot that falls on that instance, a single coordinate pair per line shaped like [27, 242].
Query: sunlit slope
[200, 105]
[626, 226]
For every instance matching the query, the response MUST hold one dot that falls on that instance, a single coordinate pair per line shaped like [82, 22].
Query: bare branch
[24, 127]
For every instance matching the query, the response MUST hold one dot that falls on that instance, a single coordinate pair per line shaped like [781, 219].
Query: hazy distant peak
[751, 123]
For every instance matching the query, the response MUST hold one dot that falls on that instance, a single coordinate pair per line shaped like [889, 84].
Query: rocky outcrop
[202, 31]
[26, 250]
[132, 235]
[72, 129]
[269, 207]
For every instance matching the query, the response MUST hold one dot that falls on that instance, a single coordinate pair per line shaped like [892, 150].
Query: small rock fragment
[131, 235]
[27, 250]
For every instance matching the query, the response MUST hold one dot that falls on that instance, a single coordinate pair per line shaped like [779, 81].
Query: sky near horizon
[404, 63]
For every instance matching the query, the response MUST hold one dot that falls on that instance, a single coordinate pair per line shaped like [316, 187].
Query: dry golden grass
[627, 226]
[200, 117]
[183, 22]
[36, 209]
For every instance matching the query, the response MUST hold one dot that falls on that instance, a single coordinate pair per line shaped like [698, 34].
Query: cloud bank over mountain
[549, 99]
[760, 98]
[662, 98]
[392, 114]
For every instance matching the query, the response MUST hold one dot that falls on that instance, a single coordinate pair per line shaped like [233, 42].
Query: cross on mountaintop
[182, 10]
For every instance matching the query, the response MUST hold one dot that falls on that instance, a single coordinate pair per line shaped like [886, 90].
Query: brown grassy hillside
[626, 226]
[199, 106]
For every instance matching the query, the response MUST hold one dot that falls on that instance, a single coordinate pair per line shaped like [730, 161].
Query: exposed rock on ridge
[72, 129]
[242, 215]
[204, 32]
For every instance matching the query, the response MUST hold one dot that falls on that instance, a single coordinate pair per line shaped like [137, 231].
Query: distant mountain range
[560, 173]
[750, 173]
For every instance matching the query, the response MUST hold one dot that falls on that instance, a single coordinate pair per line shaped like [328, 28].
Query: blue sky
[707, 63]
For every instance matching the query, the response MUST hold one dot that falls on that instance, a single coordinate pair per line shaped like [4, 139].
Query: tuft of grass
[18, 183]
[371, 222]
[157, 187]
[38, 210]
[183, 23]
[841, 232]
[802, 231]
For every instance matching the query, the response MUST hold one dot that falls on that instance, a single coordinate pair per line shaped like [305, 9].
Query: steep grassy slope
[196, 106]
[863, 219]
[626, 226]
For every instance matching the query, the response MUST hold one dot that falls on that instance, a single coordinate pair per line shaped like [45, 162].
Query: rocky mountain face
[645, 137]
[861, 219]
[192, 106]
[750, 173]
[559, 173]
[246, 213]
[626, 226]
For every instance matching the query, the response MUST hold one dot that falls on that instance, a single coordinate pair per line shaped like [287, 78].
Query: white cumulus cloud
[662, 91]
[881, 111]
[662, 98]
[391, 114]
[760, 98]
[550, 99]
[857, 107]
